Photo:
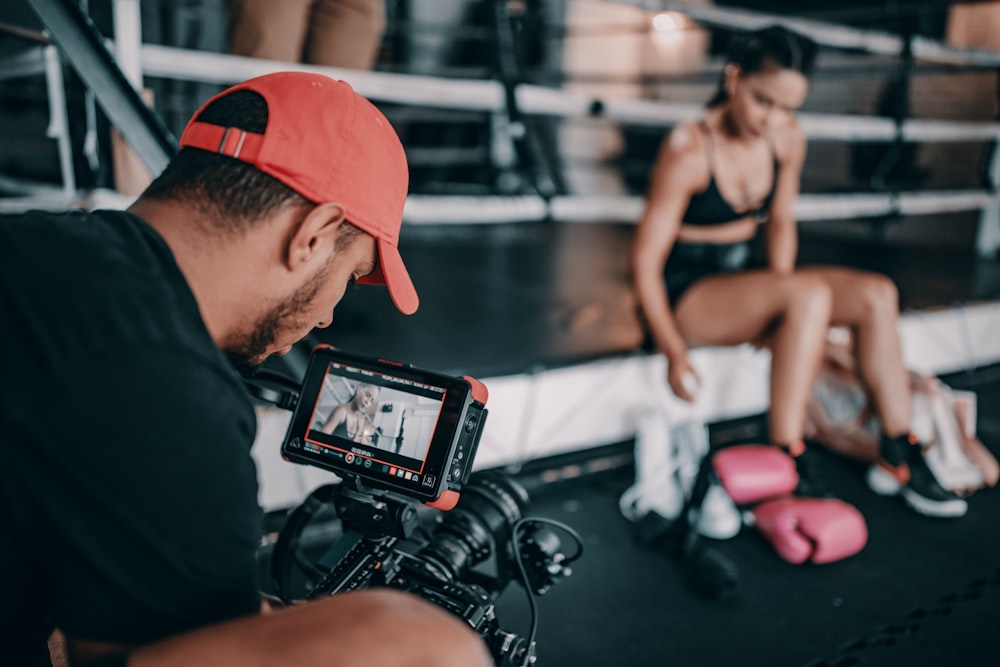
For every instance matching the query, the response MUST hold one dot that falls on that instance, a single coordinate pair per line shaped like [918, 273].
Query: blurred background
[616, 50]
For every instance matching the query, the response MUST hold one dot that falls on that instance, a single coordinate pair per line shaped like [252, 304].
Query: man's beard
[247, 352]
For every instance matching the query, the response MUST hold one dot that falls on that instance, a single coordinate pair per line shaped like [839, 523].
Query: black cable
[519, 559]
[286, 546]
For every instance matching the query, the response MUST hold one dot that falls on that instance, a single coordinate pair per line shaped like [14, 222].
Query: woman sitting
[714, 182]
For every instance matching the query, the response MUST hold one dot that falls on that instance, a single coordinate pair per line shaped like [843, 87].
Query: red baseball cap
[329, 144]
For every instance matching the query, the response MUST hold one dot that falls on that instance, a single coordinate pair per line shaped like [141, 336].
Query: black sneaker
[807, 465]
[903, 471]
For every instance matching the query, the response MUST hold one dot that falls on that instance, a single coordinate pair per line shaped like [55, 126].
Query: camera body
[396, 434]
[395, 427]
[463, 564]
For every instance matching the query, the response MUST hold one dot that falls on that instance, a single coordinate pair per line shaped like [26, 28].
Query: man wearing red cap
[128, 497]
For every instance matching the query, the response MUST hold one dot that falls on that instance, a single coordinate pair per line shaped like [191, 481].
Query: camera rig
[479, 539]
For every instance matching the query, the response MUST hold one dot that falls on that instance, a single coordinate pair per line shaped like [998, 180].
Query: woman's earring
[730, 83]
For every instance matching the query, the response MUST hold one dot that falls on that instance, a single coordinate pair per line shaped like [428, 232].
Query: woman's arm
[781, 233]
[336, 418]
[680, 170]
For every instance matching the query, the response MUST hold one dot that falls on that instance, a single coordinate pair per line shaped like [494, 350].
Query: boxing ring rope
[488, 96]
[584, 209]
[454, 209]
[875, 42]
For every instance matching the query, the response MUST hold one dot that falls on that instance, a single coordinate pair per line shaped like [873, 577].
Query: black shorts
[690, 262]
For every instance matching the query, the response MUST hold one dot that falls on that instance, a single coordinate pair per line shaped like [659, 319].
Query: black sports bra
[708, 207]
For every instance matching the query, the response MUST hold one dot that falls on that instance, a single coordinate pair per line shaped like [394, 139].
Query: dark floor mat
[897, 602]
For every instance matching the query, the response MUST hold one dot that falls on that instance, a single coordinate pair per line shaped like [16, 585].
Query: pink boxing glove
[822, 530]
[751, 473]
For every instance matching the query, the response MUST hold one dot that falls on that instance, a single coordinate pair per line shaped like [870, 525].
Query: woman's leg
[268, 29]
[868, 303]
[346, 33]
[792, 310]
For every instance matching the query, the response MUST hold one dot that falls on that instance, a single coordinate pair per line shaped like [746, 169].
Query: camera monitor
[393, 426]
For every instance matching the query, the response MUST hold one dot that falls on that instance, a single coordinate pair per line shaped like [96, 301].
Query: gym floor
[516, 297]
[922, 592]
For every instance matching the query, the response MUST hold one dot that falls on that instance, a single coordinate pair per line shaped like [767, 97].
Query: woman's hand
[682, 378]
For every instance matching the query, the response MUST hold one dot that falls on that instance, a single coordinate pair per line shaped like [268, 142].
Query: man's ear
[314, 235]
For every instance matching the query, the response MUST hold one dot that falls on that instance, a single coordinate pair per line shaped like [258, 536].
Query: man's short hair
[232, 194]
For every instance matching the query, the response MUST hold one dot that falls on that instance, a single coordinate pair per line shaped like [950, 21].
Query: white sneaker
[658, 486]
[719, 518]
[923, 495]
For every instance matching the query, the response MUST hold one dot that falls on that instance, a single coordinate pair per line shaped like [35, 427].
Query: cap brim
[392, 273]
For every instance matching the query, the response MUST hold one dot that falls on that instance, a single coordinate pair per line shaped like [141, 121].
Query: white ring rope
[451, 209]
[470, 210]
[488, 96]
[827, 34]
[26, 63]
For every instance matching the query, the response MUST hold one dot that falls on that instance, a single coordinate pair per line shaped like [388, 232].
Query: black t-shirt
[128, 497]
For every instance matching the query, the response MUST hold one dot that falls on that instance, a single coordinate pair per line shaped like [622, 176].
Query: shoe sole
[948, 509]
[884, 484]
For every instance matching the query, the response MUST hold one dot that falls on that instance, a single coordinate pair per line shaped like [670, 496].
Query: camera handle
[372, 526]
